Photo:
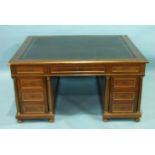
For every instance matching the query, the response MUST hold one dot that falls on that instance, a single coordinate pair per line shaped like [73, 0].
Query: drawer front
[122, 108]
[31, 82]
[124, 83]
[32, 96]
[129, 96]
[31, 69]
[77, 68]
[125, 69]
[32, 108]
[128, 69]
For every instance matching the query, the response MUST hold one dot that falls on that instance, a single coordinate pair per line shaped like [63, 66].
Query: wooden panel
[75, 68]
[33, 108]
[125, 69]
[123, 95]
[124, 83]
[31, 83]
[31, 69]
[122, 108]
[32, 96]
[123, 102]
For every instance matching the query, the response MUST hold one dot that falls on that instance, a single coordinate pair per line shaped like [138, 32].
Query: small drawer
[31, 83]
[33, 108]
[32, 96]
[124, 83]
[130, 96]
[77, 68]
[130, 69]
[122, 108]
[123, 101]
[31, 69]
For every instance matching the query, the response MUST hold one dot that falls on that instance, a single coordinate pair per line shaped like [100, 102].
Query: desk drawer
[128, 69]
[124, 83]
[31, 69]
[33, 108]
[77, 68]
[32, 96]
[122, 108]
[123, 96]
[28, 83]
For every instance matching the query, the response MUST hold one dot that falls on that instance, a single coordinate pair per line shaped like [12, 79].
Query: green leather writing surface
[77, 48]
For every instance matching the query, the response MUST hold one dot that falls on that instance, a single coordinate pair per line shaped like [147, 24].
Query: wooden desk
[43, 57]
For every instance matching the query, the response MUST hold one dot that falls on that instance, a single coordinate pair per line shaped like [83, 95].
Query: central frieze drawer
[68, 68]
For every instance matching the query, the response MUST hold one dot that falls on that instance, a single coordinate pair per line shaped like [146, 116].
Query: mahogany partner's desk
[42, 57]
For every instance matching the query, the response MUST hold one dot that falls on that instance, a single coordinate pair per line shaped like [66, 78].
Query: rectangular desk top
[83, 48]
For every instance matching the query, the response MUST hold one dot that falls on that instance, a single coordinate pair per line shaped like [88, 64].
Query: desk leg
[139, 99]
[106, 97]
[16, 100]
[50, 98]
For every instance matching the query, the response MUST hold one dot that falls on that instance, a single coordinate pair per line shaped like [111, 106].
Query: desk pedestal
[122, 97]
